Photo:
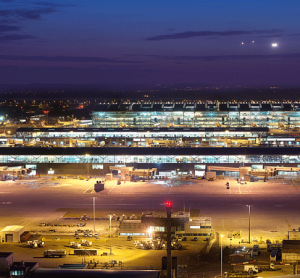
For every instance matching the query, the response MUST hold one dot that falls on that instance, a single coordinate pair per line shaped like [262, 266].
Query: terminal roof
[154, 129]
[194, 106]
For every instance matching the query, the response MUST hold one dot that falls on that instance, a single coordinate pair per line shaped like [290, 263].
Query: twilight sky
[217, 42]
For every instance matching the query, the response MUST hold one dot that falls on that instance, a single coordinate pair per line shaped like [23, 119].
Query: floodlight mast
[169, 205]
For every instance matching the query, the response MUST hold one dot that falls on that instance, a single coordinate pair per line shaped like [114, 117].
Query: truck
[55, 253]
[246, 268]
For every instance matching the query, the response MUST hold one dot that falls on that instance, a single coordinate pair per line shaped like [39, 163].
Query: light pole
[168, 205]
[249, 221]
[221, 256]
[94, 211]
[110, 233]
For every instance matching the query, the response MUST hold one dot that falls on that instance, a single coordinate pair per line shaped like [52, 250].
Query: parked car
[129, 238]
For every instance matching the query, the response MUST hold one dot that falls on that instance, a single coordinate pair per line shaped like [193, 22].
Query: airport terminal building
[186, 138]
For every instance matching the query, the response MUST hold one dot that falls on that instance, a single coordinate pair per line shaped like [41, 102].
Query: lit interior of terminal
[172, 137]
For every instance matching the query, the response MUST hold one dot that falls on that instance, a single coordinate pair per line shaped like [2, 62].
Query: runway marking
[111, 189]
[88, 189]
[239, 188]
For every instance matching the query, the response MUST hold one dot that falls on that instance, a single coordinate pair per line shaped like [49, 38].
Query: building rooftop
[14, 228]
[186, 106]
[5, 254]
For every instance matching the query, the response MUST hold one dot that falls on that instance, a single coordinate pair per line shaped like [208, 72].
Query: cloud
[32, 11]
[32, 14]
[221, 57]
[8, 28]
[63, 59]
[15, 37]
[47, 4]
[235, 57]
[192, 34]
[272, 36]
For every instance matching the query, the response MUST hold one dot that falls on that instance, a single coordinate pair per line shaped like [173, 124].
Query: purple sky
[217, 42]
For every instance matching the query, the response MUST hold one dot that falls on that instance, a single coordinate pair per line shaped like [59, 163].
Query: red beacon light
[168, 204]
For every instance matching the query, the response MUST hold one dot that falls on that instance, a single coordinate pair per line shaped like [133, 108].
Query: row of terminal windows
[136, 134]
[95, 159]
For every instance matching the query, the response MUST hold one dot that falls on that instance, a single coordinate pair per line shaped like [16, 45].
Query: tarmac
[274, 212]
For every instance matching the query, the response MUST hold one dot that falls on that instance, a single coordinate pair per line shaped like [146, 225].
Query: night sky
[216, 42]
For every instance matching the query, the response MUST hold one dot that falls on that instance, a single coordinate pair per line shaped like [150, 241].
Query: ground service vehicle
[266, 267]
[55, 253]
[98, 186]
[255, 250]
[273, 255]
[75, 245]
[246, 268]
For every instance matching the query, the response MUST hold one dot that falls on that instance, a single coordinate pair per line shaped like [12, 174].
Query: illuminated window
[157, 228]
[97, 166]
[199, 166]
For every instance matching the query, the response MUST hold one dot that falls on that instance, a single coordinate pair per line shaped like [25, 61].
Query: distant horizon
[152, 92]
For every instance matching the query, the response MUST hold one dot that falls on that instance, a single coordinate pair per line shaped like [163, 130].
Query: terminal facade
[182, 138]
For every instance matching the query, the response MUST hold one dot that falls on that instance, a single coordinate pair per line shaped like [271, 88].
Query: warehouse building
[11, 233]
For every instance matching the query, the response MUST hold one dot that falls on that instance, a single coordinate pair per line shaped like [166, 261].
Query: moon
[274, 44]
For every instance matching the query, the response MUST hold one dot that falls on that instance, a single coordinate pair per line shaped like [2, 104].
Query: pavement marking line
[112, 189]
[88, 188]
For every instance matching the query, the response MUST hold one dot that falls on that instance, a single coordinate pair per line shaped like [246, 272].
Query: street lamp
[249, 221]
[94, 211]
[110, 233]
[221, 257]
[169, 206]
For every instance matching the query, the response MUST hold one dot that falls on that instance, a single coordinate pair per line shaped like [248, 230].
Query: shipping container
[24, 236]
